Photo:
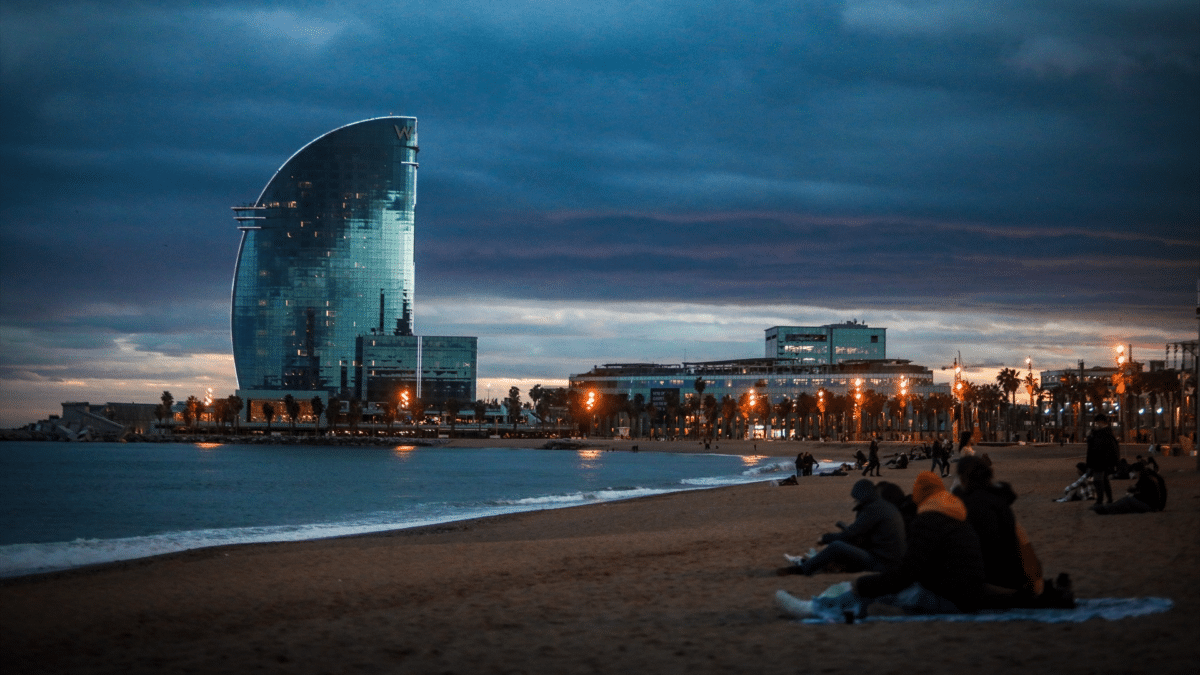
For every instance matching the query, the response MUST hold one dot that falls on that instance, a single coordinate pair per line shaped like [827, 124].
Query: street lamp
[752, 402]
[903, 406]
[858, 408]
[821, 405]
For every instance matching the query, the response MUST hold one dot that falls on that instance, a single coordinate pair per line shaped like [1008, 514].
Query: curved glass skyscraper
[326, 256]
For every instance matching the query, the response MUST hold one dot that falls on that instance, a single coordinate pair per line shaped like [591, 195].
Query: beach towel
[1111, 609]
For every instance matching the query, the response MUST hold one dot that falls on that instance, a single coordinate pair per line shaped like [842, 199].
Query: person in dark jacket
[1103, 451]
[1149, 494]
[873, 542]
[942, 570]
[989, 510]
[873, 460]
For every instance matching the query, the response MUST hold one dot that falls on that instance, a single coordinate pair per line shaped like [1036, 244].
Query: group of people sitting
[942, 550]
[934, 551]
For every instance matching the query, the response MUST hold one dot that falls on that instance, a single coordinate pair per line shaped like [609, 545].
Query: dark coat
[1151, 490]
[878, 529]
[989, 510]
[943, 556]
[1102, 450]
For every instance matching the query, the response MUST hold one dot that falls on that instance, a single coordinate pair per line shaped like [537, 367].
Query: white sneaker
[793, 606]
[796, 560]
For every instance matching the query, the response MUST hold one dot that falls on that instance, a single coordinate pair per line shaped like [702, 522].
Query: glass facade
[826, 345]
[326, 256]
[388, 365]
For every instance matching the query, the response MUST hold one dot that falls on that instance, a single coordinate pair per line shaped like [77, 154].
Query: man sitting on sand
[1081, 489]
[1149, 494]
[874, 542]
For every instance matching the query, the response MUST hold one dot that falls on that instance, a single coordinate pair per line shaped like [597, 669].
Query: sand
[679, 583]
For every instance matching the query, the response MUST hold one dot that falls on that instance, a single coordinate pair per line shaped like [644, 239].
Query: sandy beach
[679, 583]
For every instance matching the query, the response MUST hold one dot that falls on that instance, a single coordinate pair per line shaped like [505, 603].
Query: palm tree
[637, 409]
[333, 412]
[784, 410]
[513, 403]
[291, 408]
[220, 409]
[990, 398]
[711, 410]
[729, 408]
[937, 403]
[389, 414]
[699, 385]
[453, 407]
[1010, 381]
[873, 403]
[268, 411]
[804, 407]
[480, 409]
[318, 406]
[194, 409]
[235, 409]
[918, 406]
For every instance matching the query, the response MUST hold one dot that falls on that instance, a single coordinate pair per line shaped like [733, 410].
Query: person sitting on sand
[1012, 572]
[1082, 488]
[942, 570]
[1135, 469]
[895, 494]
[1148, 495]
[860, 460]
[873, 542]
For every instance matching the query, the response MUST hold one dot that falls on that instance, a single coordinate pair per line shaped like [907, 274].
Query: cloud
[944, 161]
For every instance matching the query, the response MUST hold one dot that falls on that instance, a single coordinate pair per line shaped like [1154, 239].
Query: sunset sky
[599, 183]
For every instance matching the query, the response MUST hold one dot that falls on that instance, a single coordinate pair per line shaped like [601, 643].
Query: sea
[66, 505]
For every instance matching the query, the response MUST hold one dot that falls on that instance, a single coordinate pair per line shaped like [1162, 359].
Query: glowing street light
[858, 383]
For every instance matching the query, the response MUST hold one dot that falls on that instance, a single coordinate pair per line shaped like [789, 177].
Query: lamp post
[903, 403]
[858, 408]
[821, 404]
[1119, 380]
[591, 405]
[958, 397]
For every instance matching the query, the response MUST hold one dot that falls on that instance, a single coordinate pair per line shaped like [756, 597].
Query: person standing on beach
[874, 542]
[1103, 451]
[873, 459]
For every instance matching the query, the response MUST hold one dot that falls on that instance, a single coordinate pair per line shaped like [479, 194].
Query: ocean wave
[773, 467]
[23, 559]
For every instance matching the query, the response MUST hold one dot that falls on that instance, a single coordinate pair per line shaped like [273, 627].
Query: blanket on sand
[1110, 609]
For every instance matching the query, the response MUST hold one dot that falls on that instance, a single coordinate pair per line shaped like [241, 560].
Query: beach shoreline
[680, 582]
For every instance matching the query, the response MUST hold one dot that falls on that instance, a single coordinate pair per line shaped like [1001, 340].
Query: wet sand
[678, 583]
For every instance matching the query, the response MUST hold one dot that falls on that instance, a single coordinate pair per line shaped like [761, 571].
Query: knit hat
[927, 484]
[862, 490]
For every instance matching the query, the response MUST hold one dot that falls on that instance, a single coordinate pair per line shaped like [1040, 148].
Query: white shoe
[793, 606]
[796, 560]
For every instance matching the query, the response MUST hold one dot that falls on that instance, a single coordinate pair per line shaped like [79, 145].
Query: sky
[611, 182]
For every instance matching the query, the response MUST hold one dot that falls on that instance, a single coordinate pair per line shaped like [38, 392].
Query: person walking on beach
[941, 457]
[1103, 451]
[873, 459]
[874, 542]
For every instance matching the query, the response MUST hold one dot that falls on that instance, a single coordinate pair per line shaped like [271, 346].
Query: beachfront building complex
[326, 258]
[828, 366]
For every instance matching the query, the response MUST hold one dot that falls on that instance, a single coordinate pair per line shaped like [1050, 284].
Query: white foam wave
[24, 559]
[773, 467]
